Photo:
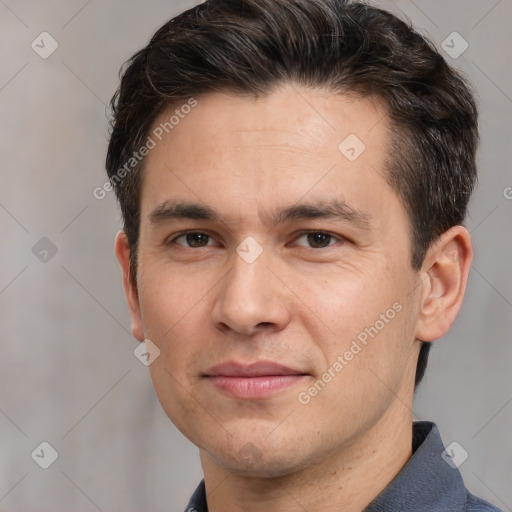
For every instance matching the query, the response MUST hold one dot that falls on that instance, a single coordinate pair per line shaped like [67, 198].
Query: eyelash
[336, 238]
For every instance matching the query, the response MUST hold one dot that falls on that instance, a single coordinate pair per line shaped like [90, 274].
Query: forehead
[287, 114]
[292, 142]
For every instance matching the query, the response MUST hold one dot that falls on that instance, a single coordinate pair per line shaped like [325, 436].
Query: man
[293, 177]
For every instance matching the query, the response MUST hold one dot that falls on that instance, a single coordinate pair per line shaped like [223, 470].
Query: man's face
[270, 277]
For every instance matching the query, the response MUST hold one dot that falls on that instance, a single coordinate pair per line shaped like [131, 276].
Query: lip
[261, 379]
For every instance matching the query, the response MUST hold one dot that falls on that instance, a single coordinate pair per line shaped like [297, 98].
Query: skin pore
[335, 258]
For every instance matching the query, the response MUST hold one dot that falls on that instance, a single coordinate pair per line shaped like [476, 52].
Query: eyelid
[338, 238]
[172, 239]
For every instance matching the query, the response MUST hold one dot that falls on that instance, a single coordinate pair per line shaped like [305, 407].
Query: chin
[261, 462]
[264, 468]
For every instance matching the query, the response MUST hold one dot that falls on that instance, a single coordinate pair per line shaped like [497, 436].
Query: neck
[348, 479]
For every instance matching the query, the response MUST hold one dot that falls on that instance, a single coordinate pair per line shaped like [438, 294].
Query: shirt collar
[426, 483]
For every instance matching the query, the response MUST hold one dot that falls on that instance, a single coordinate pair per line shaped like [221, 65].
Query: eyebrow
[334, 209]
[181, 210]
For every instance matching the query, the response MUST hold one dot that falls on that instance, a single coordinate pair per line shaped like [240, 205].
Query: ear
[122, 251]
[444, 277]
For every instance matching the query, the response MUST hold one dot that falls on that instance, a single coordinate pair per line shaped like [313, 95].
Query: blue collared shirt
[427, 483]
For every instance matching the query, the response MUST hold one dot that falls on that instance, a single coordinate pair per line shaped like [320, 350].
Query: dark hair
[252, 46]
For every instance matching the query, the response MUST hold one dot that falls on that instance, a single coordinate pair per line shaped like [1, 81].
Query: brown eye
[193, 239]
[317, 239]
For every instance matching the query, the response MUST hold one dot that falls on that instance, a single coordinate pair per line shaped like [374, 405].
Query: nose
[251, 299]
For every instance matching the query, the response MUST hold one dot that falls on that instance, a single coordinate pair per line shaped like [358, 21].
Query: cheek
[363, 373]
[173, 309]
[167, 298]
[345, 306]
[365, 333]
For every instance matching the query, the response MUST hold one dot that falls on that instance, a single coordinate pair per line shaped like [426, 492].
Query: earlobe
[122, 252]
[445, 273]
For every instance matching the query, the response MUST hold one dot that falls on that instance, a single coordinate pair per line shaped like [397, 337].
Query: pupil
[319, 239]
[196, 239]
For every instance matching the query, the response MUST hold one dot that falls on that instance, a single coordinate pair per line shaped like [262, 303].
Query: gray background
[68, 375]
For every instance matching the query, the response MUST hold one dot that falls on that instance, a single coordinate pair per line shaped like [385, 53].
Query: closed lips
[256, 369]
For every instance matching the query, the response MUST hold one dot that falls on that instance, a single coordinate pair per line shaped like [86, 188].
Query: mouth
[258, 380]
